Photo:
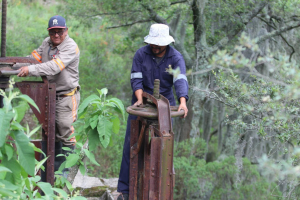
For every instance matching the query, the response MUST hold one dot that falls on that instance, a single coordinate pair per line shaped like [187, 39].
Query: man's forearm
[182, 100]
[139, 94]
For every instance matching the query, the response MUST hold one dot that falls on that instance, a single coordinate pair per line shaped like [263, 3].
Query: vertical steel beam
[147, 163]
[50, 119]
[3, 38]
[3, 28]
[133, 178]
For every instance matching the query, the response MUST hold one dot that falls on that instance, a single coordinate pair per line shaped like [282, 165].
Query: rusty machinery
[152, 175]
[43, 93]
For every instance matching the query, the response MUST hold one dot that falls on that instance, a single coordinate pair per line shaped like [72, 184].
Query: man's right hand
[138, 103]
[23, 71]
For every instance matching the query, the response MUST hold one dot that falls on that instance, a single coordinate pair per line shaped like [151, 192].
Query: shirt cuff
[32, 70]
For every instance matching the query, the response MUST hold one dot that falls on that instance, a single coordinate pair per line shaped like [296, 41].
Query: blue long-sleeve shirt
[145, 70]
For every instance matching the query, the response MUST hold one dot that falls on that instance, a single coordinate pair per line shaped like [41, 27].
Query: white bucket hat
[159, 35]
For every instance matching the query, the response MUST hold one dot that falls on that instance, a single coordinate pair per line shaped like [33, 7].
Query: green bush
[220, 179]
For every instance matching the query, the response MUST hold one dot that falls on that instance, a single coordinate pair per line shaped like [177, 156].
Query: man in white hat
[149, 63]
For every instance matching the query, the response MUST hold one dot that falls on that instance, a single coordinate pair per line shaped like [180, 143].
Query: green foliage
[98, 120]
[221, 179]
[18, 167]
[264, 98]
[109, 158]
[269, 103]
[261, 103]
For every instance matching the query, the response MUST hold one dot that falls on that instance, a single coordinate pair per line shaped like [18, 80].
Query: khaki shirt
[59, 64]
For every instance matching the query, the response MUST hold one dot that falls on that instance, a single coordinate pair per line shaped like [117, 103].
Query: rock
[111, 182]
[94, 188]
[84, 181]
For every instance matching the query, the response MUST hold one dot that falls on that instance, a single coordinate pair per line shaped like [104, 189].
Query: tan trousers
[65, 115]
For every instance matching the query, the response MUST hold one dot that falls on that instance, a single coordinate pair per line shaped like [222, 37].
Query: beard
[156, 50]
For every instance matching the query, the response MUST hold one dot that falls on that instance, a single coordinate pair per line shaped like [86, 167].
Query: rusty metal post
[3, 28]
[151, 169]
[3, 39]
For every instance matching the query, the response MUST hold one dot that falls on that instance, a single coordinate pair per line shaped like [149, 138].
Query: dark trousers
[123, 184]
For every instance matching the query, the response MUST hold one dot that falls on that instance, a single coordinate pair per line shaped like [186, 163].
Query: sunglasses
[60, 33]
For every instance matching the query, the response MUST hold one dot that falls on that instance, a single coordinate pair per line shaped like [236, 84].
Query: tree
[201, 29]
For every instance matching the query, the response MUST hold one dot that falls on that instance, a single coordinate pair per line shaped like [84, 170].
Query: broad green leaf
[6, 193]
[5, 119]
[116, 124]
[21, 109]
[93, 137]
[9, 151]
[69, 186]
[25, 152]
[23, 172]
[16, 126]
[105, 140]
[78, 122]
[104, 129]
[82, 169]
[28, 100]
[2, 175]
[82, 114]
[94, 121]
[46, 188]
[111, 104]
[27, 183]
[28, 194]
[5, 169]
[61, 192]
[87, 123]
[91, 157]
[8, 185]
[87, 101]
[62, 166]
[119, 105]
[38, 150]
[72, 160]
[35, 178]
[14, 166]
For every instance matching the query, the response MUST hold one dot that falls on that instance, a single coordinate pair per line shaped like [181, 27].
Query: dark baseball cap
[57, 22]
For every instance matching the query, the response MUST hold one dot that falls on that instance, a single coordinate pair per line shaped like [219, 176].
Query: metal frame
[43, 94]
[152, 176]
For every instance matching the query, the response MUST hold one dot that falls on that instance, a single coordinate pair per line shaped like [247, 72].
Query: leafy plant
[18, 167]
[98, 119]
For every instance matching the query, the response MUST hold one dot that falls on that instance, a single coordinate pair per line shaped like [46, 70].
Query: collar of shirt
[169, 53]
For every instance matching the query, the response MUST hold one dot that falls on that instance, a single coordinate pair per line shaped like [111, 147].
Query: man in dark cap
[59, 59]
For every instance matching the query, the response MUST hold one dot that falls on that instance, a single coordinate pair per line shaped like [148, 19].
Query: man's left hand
[24, 71]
